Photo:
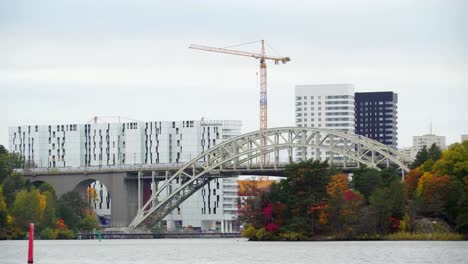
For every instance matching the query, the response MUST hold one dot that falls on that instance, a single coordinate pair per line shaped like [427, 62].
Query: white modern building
[109, 144]
[329, 106]
[419, 142]
[464, 137]
[408, 152]
[426, 141]
[135, 143]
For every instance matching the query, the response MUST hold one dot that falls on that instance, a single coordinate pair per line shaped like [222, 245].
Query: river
[224, 251]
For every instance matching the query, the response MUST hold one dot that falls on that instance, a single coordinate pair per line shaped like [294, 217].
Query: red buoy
[31, 243]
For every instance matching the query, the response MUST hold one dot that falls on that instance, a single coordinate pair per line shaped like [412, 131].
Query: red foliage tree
[436, 189]
[271, 227]
[61, 224]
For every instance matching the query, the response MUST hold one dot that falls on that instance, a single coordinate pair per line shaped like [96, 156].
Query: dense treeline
[317, 202]
[22, 202]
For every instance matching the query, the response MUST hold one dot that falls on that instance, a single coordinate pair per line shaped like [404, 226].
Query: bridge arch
[261, 150]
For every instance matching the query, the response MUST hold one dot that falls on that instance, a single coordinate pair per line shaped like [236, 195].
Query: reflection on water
[222, 251]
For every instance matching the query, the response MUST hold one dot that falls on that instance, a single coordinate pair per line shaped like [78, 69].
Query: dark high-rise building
[376, 116]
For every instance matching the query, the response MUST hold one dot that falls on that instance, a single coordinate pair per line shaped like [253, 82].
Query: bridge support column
[124, 201]
[139, 190]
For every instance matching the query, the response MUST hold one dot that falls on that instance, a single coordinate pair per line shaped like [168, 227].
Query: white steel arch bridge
[263, 151]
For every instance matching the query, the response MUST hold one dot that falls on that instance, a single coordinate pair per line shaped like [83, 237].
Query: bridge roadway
[127, 184]
[247, 154]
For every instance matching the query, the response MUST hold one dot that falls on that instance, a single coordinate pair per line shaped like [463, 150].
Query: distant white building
[408, 152]
[109, 144]
[135, 143]
[464, 137]
[427, 140]
[329, 106]
[419, 142]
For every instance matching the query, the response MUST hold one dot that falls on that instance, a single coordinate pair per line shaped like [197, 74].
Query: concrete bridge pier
[123, 192]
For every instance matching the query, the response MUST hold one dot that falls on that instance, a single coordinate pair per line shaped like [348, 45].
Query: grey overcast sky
[66, 61]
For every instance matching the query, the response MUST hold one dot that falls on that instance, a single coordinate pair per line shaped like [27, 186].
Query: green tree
[454, 196]
[26, 208]
[421, 157]
[49, 217]
[71, 207]
[366, 180]
[11, 185]
[462, 218]
[434, 152]
[389, 175]
[307, 182]
[89, 222]
[3, 215]
[396, 197]
[3, 150]
[383, 209]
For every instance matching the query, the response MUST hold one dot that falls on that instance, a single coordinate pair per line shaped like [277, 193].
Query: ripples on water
[224, 251]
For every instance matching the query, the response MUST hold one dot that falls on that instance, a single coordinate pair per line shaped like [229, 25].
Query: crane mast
[263, 73]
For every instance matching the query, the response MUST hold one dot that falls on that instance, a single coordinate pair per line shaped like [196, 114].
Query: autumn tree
[27, 208]
[338, 184]
[422, 182]
[411, 182]
[435, 194]
[454, 161]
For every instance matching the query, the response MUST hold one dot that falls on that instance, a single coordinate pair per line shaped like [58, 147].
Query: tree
[382, 208]
[49, 217]
[89, 222]
[396, 197]
[366, 180]
[338, 184]
[71, 207]
[454, 161]
[462, 218]
[454, 197]
[3, 150]
[435, 195]
[3, 215]
[11, 185]
[411, 182]
[434, 152]
[421, 157]
[27, 208]
[8, 161]
[423, 180]
[389, 175]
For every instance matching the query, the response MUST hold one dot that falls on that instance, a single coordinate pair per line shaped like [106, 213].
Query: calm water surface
[225, 251]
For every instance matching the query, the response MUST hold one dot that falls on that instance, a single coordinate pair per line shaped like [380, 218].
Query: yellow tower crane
[263, 73]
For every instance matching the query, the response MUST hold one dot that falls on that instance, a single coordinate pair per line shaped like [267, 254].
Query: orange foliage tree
[426, 177]
[339, 184]
[411, 182]
[436, 189]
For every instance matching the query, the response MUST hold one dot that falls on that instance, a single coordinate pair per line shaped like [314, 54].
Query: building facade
[376, 116]
[214, 207]
[329, 106]
[419, 142]
[464, 137]
[110, 144]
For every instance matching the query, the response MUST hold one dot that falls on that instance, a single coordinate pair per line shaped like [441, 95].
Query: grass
[424, 236]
